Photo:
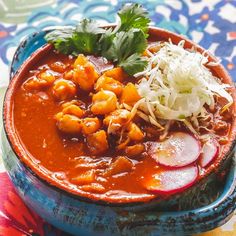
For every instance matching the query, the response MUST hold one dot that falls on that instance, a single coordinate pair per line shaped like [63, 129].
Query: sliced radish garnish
[172, 180]
[209, 152]
[179, 150]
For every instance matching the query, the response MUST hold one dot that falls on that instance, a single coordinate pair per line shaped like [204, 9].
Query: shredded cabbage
[177, 84]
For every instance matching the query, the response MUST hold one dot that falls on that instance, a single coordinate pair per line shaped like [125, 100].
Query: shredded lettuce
[177, 84]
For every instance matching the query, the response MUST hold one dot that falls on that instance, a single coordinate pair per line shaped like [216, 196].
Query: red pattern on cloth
[15, 217]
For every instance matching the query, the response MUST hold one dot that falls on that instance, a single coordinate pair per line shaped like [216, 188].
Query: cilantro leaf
[62, 40]
[86, 36]
[126, 48]
[122, 45]
[90, 27]
[133, 64]
[82, 39]
[105, 41]
[125, 44]
[133, 16]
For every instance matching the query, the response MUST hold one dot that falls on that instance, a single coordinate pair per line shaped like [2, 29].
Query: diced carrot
[134, 132]
[41, 81]
[69, 75]
[58, 116]
[120, 165]
[81, 60]
[130, 94]
[47, 76]
[123, 144]
[91, 71]
[145, 53]
[85, 178]
[34, 83]
[58, 66]
[97, 142]
[91, 163]
[134, 149]
[155, 47]
[116, 73]
[93, 187]
[108, 83]
[90, 125]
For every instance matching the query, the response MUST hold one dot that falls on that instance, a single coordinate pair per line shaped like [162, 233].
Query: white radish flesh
[209, 152]
[172, 181]
[180, 149]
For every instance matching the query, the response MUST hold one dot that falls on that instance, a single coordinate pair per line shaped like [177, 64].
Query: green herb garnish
[82, 39]
[62, 40]
[125, 50]
[122, 45]
[133, 16]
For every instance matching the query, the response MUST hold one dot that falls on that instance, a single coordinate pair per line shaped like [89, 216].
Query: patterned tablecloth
[211, 23]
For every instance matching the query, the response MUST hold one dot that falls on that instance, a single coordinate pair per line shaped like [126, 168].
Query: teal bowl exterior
[80, 217]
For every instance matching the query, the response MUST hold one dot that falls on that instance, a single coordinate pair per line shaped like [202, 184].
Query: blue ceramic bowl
[79, 217]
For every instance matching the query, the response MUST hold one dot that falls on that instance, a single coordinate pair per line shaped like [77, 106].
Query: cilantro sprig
[133, 16]
[81, 39]
[123, 44]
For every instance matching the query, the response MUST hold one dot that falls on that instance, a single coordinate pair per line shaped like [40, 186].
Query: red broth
[66, 158]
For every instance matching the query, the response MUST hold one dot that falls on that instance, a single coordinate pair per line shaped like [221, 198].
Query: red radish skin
[210, 151]
[100, 63]
[172, 181]
[180, 149]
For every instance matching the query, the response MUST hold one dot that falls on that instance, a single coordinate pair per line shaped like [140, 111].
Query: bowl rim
[18, 149]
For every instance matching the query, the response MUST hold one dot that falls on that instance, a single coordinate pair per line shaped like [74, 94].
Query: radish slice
[172, 180]
[209, 152]
[100, 63]
[181, 149]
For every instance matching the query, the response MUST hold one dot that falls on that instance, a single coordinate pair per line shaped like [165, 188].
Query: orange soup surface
[76, 120]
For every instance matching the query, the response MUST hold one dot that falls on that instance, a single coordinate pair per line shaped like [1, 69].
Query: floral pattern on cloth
[212, 24]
